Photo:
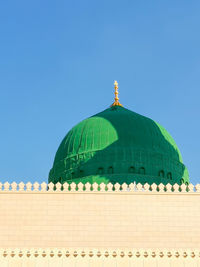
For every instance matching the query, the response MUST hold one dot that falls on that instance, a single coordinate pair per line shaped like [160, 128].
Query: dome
[118, 145]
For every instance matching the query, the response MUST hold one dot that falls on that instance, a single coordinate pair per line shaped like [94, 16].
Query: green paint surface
[118, 145]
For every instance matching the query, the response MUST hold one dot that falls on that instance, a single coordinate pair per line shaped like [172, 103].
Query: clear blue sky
[58, 61]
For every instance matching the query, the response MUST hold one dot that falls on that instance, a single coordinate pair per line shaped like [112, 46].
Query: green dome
[118, 145]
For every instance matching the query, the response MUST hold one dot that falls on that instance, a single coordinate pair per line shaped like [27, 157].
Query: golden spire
[116, 103]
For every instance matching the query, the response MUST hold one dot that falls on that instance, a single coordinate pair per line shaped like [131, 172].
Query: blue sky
[58, 61]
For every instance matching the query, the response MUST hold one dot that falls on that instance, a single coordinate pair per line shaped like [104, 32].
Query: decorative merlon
[96, 188]
[96, 253]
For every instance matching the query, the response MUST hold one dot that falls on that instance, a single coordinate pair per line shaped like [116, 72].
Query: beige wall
[102, 220]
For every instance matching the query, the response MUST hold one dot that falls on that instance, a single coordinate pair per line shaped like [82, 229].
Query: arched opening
[100, 170]
[131, 169]
[141, 170]
[161, 174]
[110, 170]
[182, 181]
[73, 175]
[169, 175]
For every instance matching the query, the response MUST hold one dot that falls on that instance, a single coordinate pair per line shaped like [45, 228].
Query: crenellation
[183, 188]
[88, 187]
[176, 188]
[197, 188]
[14, 186]
[96, 188]
[168, 188]
[73, 187]
[102, 187]
[124, 187]
[21, 186]
[36, 186]
[161, 188]
[139, 187]
[110, 187]
[132, 187]
[80, 187]
[6, 186]
[43, 187]
[66, 187]
[154, 187]
[191, 188]
[29, 186]
[58, 186]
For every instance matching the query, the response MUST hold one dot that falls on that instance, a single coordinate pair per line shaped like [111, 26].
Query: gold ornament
[116, 103]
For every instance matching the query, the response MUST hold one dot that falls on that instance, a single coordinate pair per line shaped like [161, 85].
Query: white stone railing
[112, 188]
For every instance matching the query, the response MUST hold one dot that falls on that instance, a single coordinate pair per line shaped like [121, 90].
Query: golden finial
[116, 103]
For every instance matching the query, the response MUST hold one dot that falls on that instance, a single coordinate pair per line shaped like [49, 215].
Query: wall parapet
[98, 188]
[98, 253]
[94, 257]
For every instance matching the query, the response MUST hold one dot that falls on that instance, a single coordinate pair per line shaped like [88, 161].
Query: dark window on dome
[131, 169]
[161, 174]
[73, 174]
[142, 170]
[110, 170]
[100, 170]
[169, 175]
[81, 173]
[182, 181]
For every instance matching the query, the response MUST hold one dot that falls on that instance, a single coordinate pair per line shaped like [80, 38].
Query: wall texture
[119, 219]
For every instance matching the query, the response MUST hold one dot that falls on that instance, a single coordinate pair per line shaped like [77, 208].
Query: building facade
[118, 195]
[131, 225]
